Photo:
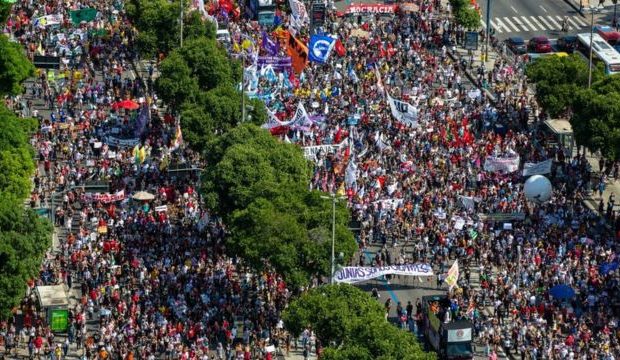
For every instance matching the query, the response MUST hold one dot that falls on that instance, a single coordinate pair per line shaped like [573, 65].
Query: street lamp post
[182, 5]
[334, 199]
[592, 11]
[488, 32]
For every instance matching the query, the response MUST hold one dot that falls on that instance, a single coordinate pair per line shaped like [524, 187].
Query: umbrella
[143, 195]
[126, 104]
[562, 292]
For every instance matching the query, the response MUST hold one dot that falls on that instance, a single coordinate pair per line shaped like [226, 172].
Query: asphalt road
[528, 18]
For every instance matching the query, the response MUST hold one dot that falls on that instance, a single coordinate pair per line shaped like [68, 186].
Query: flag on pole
[178, 138]
[453, 275]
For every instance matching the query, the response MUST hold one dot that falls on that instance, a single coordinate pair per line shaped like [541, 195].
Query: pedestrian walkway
[517, 24]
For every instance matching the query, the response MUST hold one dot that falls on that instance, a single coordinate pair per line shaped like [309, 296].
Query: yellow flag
[236, 47]
[246, 44]
[142, 155]
[340, 191]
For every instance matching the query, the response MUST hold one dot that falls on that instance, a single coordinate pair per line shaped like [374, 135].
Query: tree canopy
[465, 14]
[24, 236]
[558, 79]
[352, 324]
[14, 67]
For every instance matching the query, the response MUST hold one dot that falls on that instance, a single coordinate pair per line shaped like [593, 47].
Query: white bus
[601, 50]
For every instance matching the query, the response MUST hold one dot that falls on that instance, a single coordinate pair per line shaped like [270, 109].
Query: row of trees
[353, 325]
[562, 90]
[258, 184]
[24, 236]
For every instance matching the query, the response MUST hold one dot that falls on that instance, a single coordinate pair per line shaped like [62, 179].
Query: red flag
[226, 5]
[340, 50]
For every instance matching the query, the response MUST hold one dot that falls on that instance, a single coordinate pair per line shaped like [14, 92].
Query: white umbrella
[143, 196]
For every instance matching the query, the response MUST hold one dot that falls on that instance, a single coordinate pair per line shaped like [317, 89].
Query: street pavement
[529, 18]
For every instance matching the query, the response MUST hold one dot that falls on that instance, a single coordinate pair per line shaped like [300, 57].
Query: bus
[451, 340]
[601, 51]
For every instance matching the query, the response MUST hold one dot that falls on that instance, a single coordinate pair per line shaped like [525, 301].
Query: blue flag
[320, 47]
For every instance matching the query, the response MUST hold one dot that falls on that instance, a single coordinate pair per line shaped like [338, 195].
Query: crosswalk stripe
[511, 24]
[544, 21]
[541, 26]
[528, 22]
[519, 22]
[571, 21]
[580, 21]
[484, 25]
[561, 19]
[557, 25]
[498, 25]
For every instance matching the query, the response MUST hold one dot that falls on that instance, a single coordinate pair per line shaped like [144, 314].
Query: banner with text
[355, 274]
[541, 168]
[105, 198]
[498, 164]
[403, 112]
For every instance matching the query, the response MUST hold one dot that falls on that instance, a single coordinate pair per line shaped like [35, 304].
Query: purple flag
[269, 45]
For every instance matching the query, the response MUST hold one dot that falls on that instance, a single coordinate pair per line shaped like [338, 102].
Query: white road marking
[545, 10]
[520, 23]
[484, 25]
[557, 25]
[572, 21]
[542, 20]
[525, 20]
[498, 25]
[511, 25]
[580, 21]
[541, 26]
[561, 19]
[513, 9]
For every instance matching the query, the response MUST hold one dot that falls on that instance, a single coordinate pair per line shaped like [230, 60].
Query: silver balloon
[538, 189]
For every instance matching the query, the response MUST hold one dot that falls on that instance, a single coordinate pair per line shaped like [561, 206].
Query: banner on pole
[453, 275]
[47, 20]
[105, 198]
[541, 168]
[355, 274]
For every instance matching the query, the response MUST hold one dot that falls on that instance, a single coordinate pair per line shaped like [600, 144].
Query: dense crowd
[151, 273]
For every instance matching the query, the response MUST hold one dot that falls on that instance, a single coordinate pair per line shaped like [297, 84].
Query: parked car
[517, 45]
[539, 44]
[567, 43]
[608, 33]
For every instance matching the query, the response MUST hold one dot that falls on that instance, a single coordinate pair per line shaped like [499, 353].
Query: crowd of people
[151, 273]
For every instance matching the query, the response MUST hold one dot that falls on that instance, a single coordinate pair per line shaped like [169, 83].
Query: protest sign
[355, 274]
[498, 164]
[540, 168]
[356, 9]
[453, 275]
[500, 217]
[279, 63]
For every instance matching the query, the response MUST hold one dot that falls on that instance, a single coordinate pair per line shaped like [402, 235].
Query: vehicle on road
[539, 44]
[451, 339]
[608, 33]
[601, 51]
[517, 45]
[567, 44]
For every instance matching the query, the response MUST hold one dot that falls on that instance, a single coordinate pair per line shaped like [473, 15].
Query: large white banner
[311, 151]
[497, 164]
[403, 112]
[355, 274]
[541, 168]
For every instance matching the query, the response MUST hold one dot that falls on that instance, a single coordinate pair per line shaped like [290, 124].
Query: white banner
[403, 112]
[114, 141]
[541, 168]
[497, 164]
[298, 10]
[355, 274]
[105, 198]
[48, 20]
[453, 275]
[458, 335]
[311, 151]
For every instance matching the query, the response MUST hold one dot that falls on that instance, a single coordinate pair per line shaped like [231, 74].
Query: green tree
[195, 27]
[596, 119]
[176, 84]
[352, 324]
[468, 17]
[209, 63]
[248, 162]
[14, 67]
[157, 22]
[558, 79]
